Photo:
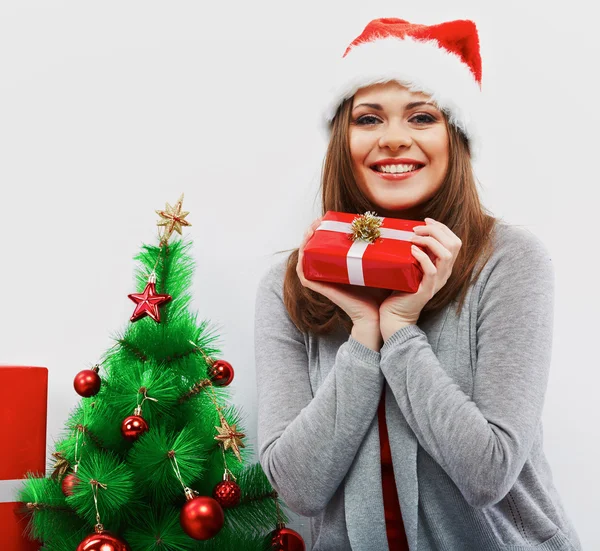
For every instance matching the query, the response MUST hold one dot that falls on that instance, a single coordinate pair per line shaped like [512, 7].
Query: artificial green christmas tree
[153, 457]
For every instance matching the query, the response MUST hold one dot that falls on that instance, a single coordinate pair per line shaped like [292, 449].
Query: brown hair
[456, 205]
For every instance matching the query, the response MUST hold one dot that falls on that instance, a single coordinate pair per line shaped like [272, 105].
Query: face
[388, 136]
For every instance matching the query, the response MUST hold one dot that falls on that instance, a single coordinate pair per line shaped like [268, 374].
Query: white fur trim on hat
[421, 66]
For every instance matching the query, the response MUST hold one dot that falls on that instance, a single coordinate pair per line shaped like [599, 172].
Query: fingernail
[429, 220]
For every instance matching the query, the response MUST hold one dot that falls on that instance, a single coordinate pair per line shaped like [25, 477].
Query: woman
[412, 420]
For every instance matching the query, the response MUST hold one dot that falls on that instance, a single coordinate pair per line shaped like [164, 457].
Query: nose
[395, 136]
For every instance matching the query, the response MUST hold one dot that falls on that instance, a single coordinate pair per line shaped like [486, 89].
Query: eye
[366, 119]
[428, 118]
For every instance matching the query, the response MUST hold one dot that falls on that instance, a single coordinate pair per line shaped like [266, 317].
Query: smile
[401, 174]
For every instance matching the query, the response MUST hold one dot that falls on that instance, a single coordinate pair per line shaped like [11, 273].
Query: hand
[445, 245]
[360, 303]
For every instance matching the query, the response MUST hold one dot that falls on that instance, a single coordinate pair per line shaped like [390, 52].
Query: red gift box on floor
[23, 401]
[387, 262]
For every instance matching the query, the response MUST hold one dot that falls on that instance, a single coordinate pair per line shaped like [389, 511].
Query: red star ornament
[147, 303]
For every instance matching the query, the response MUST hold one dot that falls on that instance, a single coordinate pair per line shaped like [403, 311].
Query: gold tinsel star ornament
[172, 218]
[230, 437]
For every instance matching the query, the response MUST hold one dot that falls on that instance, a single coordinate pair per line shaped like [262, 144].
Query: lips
[396, 176]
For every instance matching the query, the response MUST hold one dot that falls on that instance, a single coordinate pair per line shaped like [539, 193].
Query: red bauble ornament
[133, 427]
[286, 539]
[201, 517]
[103, 541]
[147, 303]
[227, 493]
[221, 373]
[87, 383]
[68, 483]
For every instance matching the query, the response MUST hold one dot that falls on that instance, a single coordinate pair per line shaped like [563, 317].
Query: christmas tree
[153, 457]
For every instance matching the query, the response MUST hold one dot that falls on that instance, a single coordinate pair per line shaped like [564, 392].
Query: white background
[108, 111]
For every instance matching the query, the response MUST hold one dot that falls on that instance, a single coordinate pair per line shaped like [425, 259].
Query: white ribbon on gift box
[9, 489]
[357, 249]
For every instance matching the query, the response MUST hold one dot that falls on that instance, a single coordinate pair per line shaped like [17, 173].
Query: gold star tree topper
[61, 466]
[230, 437]
[172, 219]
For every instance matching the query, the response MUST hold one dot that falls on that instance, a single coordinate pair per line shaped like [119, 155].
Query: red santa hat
[442, 61]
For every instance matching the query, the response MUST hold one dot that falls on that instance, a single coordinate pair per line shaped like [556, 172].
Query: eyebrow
[411, 105]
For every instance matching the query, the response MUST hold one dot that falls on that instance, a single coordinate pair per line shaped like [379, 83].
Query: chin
[394, 204]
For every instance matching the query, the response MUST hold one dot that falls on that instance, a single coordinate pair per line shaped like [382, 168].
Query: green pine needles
[132, 487]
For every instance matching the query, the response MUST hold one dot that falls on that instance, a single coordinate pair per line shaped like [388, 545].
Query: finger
[441, 253]
[445, 230]
[313, 226]
[428, 282]
[300, 269]
[315, 286]
[326, 289]
[300, 266]
[316, 224]
[440, 225]
[449, 242]
[307, 235]
[427, 265]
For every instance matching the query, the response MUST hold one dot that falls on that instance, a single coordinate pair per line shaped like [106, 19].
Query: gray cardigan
[463, 401]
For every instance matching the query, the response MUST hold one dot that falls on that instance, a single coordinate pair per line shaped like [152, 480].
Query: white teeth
[395, 169]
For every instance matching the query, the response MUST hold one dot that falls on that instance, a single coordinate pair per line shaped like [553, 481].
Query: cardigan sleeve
[483, 441]
[307, 443]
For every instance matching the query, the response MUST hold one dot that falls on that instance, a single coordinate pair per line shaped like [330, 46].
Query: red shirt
[393, 518]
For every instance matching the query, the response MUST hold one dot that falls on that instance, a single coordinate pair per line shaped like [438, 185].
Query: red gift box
[387, 263]
[23, 401]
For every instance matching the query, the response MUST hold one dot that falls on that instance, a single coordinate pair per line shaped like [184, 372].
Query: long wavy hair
[456, 204]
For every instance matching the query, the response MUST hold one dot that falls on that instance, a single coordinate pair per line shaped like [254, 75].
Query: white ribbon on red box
[357, 249]
[9, 489]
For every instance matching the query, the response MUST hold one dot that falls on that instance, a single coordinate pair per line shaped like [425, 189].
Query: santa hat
[442, 61]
